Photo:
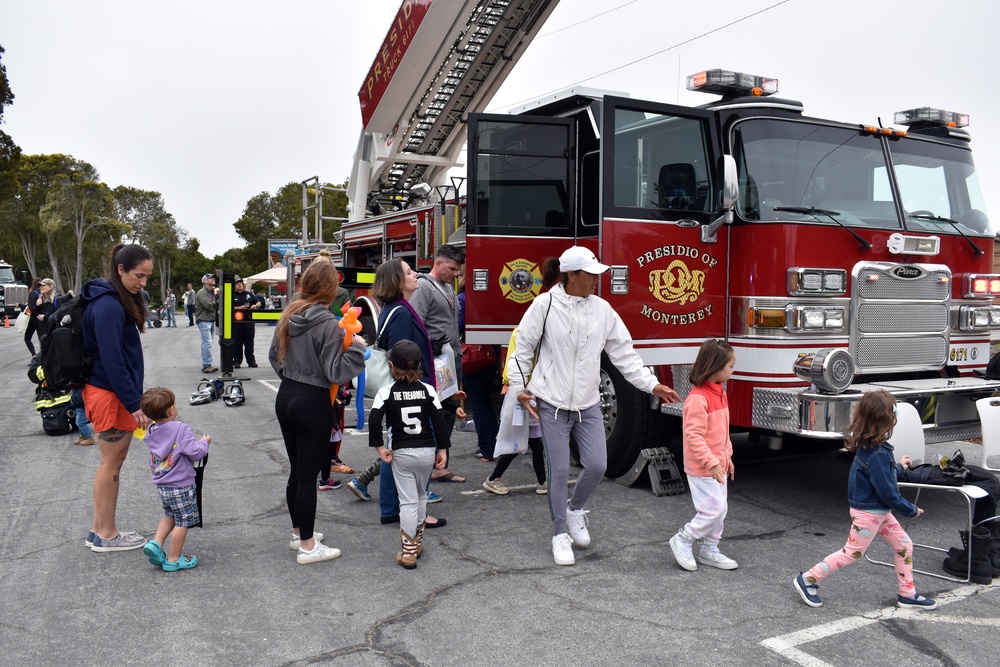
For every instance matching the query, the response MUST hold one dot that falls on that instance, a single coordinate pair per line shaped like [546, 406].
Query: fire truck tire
[630, 425]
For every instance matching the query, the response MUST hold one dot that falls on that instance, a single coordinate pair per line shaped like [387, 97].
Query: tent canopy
[276, 274]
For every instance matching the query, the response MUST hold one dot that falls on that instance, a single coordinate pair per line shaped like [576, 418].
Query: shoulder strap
[378, 334]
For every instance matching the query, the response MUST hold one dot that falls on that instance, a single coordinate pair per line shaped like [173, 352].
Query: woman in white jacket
[558, 353]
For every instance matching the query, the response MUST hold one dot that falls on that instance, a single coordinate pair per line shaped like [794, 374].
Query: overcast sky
[215, 101]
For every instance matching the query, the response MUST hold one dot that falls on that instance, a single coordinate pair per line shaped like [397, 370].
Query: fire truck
[13, 293]
[837, 258]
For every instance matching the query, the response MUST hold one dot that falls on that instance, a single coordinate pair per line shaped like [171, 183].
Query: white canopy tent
[276, 274]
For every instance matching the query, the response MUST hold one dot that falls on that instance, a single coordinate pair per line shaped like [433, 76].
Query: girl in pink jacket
[708, 457]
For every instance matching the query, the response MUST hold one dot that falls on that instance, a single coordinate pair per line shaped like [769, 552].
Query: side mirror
[730, 182]
[729, 192]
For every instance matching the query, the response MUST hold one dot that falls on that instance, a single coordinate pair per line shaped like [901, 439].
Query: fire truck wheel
[629, 424]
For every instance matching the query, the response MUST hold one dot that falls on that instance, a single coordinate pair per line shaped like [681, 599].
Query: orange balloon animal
[350, 324]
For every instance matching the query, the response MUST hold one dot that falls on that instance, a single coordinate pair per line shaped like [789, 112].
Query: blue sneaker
[434, 497]
[154, 552]
[182, 563]
[917, 601]
[809, 592]
[89, 542]
[359, 489]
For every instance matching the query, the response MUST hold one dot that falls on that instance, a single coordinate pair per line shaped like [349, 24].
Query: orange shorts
[105, 411]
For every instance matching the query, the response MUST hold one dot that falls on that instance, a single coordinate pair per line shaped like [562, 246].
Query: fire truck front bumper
[948, 405]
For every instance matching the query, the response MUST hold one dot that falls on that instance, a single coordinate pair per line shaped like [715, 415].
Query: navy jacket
[872, 482]
[114, 343]
[404, 325]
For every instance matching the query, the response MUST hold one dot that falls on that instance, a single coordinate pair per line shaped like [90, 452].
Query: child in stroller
[155, 317]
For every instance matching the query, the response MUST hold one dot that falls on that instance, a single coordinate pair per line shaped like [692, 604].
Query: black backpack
[66, 364]
[993, 368]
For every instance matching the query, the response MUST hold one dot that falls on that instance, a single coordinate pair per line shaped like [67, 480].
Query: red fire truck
[835, 257]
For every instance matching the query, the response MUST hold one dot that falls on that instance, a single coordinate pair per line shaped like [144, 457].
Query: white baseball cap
[579, 258]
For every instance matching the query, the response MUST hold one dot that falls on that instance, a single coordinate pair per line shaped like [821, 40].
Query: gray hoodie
[315, 352]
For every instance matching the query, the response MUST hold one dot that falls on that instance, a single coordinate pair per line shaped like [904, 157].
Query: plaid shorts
[180, 504]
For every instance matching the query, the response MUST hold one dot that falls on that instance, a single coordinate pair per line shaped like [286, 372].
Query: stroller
[156, 317]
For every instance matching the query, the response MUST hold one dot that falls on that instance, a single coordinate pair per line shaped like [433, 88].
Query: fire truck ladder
[494, 35]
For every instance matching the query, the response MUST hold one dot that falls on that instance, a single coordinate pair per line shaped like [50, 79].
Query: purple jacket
[172, 448]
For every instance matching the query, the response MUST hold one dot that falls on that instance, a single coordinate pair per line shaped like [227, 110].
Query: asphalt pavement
[486, 591]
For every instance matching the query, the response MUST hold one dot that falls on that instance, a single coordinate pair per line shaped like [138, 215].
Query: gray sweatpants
[587, 427]
[411, 468]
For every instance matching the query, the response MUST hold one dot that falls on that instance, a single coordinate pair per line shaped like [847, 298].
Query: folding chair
[989, 418]
[908, 439]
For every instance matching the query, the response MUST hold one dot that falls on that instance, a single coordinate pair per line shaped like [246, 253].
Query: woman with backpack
[114, 317]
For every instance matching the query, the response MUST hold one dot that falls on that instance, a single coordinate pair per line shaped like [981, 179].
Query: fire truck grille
[901, 317]
[883, 318]
[899, 353]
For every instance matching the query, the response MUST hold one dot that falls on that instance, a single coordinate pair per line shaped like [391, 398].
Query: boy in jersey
[418, 441]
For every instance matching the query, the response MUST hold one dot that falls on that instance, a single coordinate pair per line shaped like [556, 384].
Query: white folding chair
[989, 419]
[908, 439]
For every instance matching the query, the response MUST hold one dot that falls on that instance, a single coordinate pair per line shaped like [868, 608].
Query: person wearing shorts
[114, 317]
[172, 453]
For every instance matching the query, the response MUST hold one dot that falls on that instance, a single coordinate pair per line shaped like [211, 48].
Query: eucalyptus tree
[10, 153]
[80, 204]
[21, 213]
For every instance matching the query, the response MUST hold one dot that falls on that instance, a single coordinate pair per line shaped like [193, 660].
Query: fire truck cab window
[810, 165]
[523, 176]
[939, 181]
[660, 162]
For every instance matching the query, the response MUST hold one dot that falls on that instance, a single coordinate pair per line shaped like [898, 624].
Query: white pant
[711, 502]
[411, 468]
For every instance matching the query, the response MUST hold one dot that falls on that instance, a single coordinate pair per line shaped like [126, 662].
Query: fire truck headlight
[804, 281]
[995, 317]
[830, 371]
[816, 318]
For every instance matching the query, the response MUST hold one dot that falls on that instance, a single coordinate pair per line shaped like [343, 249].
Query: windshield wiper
[863, 244]
[954, 223]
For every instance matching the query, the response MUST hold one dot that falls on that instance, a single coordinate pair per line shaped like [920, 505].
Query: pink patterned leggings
[864, 527]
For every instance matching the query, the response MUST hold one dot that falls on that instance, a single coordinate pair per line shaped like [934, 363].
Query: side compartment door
[520, 208]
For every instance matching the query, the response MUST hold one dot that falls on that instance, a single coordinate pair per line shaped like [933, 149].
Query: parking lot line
[787, 645]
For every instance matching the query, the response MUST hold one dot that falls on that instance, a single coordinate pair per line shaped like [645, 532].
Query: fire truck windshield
[792, 164]
[786, 165]
[939, 188]
[6, 275]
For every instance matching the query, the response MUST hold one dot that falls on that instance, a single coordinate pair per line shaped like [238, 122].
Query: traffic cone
[6, 321]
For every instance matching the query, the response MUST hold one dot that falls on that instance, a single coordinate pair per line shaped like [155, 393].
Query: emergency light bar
[929, 116]
[724, 82]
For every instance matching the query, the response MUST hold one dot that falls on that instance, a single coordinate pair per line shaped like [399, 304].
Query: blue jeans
[171, 319]
[479, 385]
[82, 423]
[206, 329]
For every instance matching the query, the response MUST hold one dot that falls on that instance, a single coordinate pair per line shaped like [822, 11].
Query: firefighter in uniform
[243, 330]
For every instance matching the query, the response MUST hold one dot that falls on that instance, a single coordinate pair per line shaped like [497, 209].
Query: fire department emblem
[677, 283]
[520, 280]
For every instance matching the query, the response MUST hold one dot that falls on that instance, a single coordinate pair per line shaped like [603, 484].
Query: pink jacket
[706, 430]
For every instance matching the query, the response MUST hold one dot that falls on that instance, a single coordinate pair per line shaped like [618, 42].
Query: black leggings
[29, 333]
[306, 418]
[537, 461]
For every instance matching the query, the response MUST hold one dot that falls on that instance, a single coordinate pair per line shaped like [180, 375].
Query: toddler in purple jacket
[172, 451]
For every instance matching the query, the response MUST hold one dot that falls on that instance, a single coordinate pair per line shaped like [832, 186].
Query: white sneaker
[320, 552]
[715, 558]
[682, 553]
[576, 524]
[296, 542]
[562, 550]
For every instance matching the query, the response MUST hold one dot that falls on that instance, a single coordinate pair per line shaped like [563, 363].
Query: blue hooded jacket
[113, 341]
[871, 484]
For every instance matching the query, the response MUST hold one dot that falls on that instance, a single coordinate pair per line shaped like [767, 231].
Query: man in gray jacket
[437, 305]
[205, 309]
